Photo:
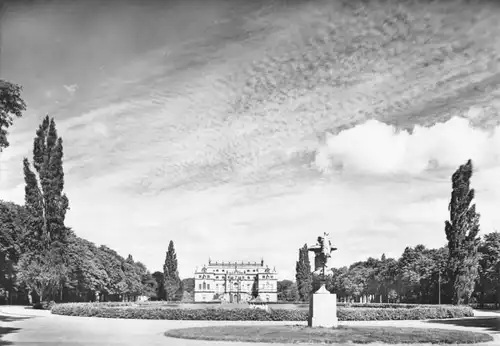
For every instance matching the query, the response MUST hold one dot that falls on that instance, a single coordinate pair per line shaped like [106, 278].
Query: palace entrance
[234, 298]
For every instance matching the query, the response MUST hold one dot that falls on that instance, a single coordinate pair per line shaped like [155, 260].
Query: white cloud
[377, 148]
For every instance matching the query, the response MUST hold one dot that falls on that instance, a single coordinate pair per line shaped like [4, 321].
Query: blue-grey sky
[215, 124]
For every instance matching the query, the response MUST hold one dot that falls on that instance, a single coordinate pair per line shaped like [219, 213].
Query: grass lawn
[302, 334]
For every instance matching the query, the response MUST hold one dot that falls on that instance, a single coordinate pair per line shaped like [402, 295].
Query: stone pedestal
[323, 309]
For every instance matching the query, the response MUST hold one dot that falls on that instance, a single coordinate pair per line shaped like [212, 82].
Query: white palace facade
[235, 282]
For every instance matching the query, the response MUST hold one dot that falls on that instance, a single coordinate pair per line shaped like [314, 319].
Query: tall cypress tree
[303, 274]
[462, 233]
[170, 272]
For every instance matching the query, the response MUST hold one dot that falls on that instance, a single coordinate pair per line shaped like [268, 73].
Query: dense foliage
[11, 104]
[416, 276]
[287, 291]
[344, 313]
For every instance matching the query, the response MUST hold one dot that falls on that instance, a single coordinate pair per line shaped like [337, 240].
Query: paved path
[43, 328]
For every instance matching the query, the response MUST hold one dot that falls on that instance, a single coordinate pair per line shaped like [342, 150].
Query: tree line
[466, 270]
[41, 259]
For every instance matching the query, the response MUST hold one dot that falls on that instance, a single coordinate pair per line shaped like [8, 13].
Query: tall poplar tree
[303, 274]
[462, 233]
[172, 281]
[44, 197]
[46, 206]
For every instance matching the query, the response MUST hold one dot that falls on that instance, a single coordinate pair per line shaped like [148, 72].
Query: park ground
[21, 326]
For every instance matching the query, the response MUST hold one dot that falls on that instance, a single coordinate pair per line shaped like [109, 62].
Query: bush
[219, 314]
[386, 305]
[45, 305]
[416, 313]
[485, 306]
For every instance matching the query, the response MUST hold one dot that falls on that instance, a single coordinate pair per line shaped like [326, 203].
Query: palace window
[199, 286]
[208, 287]
[204, 286]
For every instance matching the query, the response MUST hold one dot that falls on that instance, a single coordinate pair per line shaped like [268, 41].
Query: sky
[171, 134]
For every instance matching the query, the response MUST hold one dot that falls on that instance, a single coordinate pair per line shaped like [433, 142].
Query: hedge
[485, 306]
[237, 314]
[388, 305]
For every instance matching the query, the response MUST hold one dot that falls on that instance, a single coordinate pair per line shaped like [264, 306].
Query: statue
[323, 303]
[322, 251]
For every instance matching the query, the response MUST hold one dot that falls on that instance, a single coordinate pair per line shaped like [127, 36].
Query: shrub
[416, 313]
[486, 306]
[386, 305]
[219, 314]
[44, 305]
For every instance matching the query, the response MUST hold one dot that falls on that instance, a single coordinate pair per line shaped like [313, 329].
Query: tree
[303, 274]
[133, 279]
[11, 104]
[255, 287]
[335, 282]
[287, 291]
[187, 289]
[87, 273]
[160, 285]
[46, 204]
[147, 280]
[12, 226]
[387, 277]
[40, 273]
[45, 200]
[356, 280]
[462, 234]
[172, 282]
[489, 276]
[116, 285]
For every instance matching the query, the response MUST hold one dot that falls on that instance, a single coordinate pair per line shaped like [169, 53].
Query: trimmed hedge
[388, 305]
[218, 314]
[153, 303]
[485, 306]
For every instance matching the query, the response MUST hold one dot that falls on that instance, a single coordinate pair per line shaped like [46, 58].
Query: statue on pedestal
[322, 251]
[323, 304]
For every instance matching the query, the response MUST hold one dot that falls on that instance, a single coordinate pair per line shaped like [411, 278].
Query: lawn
[343, 334]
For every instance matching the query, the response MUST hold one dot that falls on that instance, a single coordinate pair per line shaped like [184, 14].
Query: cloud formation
[380, 149]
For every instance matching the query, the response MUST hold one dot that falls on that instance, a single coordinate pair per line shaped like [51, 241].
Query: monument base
[323, 309]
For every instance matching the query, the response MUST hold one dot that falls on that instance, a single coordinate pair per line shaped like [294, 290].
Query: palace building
[235, 282]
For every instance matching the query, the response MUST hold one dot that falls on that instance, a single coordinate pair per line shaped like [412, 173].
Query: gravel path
[44, 328]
